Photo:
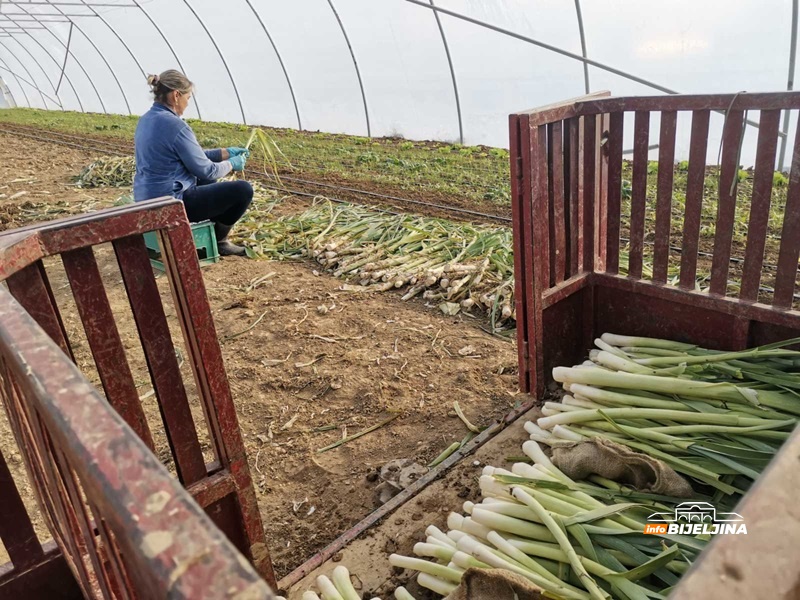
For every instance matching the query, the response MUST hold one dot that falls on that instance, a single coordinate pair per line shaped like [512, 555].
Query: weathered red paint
[79, 450]
[759, 205]
[641, 141]
[614, 190]
[695, 185]
[151, 322]
[666, 174]
[520, 203]
[573, 196]
[94, 309]
[31, 288]
[790, 236]
[558, 233]
[563, 315]
[726, 209]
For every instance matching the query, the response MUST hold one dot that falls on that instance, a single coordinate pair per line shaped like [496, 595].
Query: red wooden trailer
[110, 505]
[566, 166]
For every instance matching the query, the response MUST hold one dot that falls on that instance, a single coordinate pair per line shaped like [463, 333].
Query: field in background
[474, 178]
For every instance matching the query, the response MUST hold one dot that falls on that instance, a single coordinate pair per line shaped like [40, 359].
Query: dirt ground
[302, 377]
[366, 557]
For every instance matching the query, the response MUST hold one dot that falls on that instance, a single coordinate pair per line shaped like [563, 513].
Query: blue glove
[235, 151]
[238, 162]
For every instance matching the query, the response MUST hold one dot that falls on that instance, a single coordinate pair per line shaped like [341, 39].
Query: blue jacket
[169, 159]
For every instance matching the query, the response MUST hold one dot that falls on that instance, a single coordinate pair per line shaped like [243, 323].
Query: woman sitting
[170, 162]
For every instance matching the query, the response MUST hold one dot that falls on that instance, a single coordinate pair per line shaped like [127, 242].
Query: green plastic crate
[204, 240]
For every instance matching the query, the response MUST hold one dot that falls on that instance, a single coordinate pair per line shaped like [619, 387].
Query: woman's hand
[236, 151]
[238, 162]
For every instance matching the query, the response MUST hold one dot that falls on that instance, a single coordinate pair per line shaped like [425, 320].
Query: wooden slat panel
[695, 185]
[760, 203]
[641, 141]
[601, 201]
[588, 194]
[35, 468]
[205, 356]
[28, 427]
[120, 581]
[558, 111]
[74, 502]
[572, 152]
[614, 146]
[581, 190]
[565, 290]
[541, 247]
[790, 236]
[120, 474]
[729, 171]
[738, 101]
[687, 300]
[666, 169]
[104, 341]
[49, 579]
[31, 288]
[520, 223]
[159, 350]
[558, 249]
[589, 180]
[16, 530]
[541, 195]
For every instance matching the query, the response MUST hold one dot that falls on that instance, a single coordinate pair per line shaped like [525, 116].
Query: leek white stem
[424, 566]
[434, 551]
[341, 579]
[327, 589]
[401, 593]
[435, 532]
[586, 579]
[434, 584]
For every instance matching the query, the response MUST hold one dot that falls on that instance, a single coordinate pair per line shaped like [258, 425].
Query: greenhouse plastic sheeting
[448, 70]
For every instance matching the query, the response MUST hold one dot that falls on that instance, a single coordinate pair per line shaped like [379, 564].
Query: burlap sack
[619, 463]
[494, 584]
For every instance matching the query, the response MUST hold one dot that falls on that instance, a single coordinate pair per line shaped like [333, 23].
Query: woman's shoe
[224, 246]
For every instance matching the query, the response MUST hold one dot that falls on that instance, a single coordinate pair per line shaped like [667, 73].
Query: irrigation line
[400, 199]
[61, 142]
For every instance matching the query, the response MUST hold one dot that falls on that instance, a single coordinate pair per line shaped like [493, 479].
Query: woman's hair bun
[169, 81]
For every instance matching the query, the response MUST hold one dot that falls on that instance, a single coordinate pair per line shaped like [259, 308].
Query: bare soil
[302, 378]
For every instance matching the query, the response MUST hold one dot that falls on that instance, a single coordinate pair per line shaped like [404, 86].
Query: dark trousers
[223, 202]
